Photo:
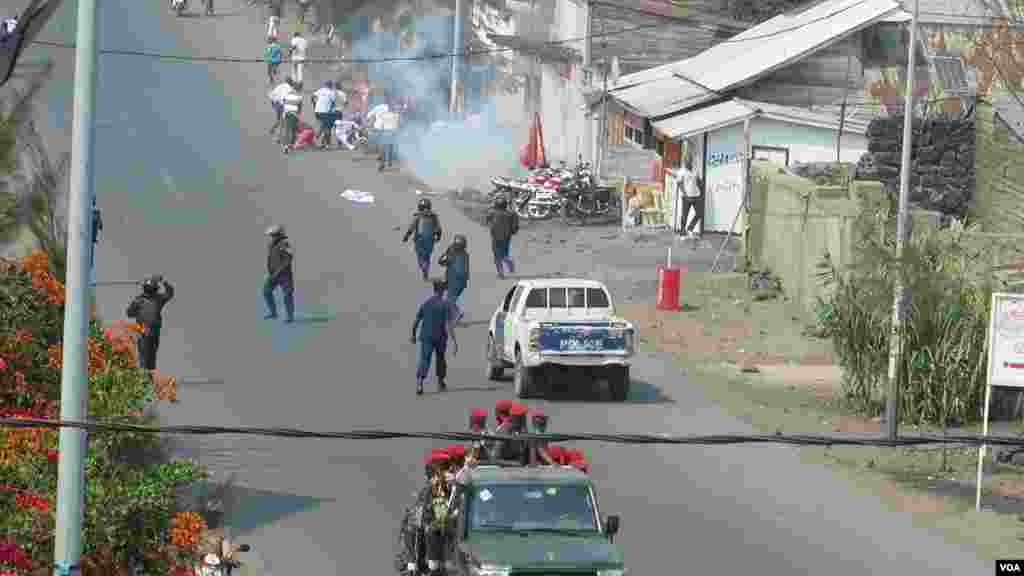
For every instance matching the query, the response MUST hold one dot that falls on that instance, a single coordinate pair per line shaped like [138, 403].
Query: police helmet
[460, 240]
[275, 231]
[423, 204]
[501, 203]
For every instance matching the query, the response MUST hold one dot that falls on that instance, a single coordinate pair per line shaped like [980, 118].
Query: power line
[707, 440]
[437, 56]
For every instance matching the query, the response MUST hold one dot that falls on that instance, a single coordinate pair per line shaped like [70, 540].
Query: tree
[32, 184]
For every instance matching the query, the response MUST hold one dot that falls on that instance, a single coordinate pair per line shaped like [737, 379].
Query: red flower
[52, 456]
[3, 364]
[12, 554]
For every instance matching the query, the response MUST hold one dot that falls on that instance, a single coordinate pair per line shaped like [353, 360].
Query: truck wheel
[618, 381]
[523, 378]
[494, 363]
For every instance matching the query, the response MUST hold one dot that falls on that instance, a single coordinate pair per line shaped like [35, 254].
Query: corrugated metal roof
[661, 97]
[737, 110]
[704, 120]
[781, 41]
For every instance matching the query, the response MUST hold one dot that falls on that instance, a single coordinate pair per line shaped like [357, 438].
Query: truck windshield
[533, 506]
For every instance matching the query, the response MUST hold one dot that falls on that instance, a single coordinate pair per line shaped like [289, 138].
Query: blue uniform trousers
[424, 250]
[456, 286]
[501, 255]
[429, 348]
[284, 281]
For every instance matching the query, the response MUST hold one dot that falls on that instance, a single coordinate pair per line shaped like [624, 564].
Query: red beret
[478, 413]
[503, 406]
[457, 451]
[557, 453]
[438, 456]
[580, 465]
[574, 455]
[518, 410]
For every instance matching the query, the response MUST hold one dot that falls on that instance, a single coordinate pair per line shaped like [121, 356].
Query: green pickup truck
[529, 520]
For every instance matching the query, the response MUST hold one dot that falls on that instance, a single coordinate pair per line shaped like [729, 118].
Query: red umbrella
[533, 155]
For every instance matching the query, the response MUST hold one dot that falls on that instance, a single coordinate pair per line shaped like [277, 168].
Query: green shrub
[945, 323]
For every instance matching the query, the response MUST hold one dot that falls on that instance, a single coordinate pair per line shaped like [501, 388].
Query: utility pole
[896, 337]
[458, 48]
[74, 378]
[605, 64]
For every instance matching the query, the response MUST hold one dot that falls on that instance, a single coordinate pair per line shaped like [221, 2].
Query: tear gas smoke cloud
[444, 155]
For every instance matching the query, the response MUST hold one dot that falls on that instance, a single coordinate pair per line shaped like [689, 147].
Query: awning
[704, 120]
[736, 110]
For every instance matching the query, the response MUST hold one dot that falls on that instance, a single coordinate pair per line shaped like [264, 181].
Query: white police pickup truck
[544, 327]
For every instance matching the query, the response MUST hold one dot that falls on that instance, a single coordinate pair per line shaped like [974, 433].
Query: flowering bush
[131, 507]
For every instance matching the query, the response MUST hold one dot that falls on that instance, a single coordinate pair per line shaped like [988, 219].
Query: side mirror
[611, 526]
[244, 548]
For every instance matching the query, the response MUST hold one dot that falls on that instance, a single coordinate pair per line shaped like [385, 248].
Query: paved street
[188, 180]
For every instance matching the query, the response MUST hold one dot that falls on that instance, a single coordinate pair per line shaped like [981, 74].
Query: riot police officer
[456, 262]
[435, 321]
[425, 230]
[279, 273]
[503, 224]
[147, 309]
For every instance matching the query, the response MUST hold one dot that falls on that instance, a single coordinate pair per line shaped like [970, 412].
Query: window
[538, 298]
[556, 298]
[885, 44]
[532, 506]
[772, 154]
[515, 299]
[634, 135]
[577, 297]
[508, 299]
[951, 73]
[596, 298]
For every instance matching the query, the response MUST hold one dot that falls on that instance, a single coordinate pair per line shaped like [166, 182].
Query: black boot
[419, 387]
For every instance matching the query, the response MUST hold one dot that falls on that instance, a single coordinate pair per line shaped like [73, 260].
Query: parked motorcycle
[222, 564]
[179, 7]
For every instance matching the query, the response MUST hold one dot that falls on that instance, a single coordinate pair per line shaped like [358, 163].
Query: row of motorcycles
[569, 192]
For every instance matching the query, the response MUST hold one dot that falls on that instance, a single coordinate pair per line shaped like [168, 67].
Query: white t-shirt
[299, 45]
[291, 102]
[278, 94]
[687, 183]
[325, 99]
[272, 24]
[386, 121]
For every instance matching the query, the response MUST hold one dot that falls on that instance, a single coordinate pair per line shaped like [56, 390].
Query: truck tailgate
[582, 338]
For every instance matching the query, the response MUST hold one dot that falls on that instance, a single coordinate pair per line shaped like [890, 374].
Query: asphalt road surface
[188, 180]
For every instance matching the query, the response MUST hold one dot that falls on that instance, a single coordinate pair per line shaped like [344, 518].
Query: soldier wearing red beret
[435, 517]
[501, 411]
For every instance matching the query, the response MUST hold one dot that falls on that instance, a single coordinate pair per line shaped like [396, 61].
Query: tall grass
[948, 288]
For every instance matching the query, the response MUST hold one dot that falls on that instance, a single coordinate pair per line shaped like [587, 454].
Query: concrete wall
[567, 130]
[794, 223]
[999, 184]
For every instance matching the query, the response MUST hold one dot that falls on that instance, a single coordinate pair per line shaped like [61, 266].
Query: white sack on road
[357, 196]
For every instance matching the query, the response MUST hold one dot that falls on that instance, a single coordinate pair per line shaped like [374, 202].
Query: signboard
[1007, 344]
[1005, 360]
